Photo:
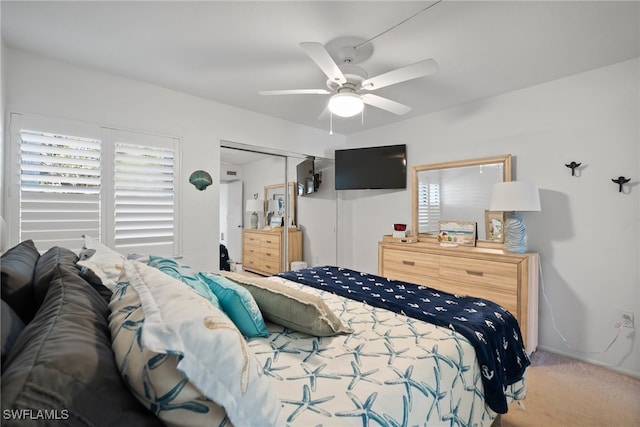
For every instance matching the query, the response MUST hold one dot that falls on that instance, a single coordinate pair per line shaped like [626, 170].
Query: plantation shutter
[144, 203]
[59, 188]
[428, 207]
[69, 179]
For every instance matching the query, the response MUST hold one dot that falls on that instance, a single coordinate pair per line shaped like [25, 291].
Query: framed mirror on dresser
[461, 191]
[456, 191]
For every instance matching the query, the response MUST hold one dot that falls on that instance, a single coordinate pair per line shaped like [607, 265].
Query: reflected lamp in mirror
[254, 206]
[201, 179]
[514, 197]
[272, 207]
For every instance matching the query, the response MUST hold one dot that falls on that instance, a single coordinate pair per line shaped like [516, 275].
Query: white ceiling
[227, 51]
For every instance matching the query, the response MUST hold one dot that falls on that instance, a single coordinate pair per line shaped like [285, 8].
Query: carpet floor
[565, 392]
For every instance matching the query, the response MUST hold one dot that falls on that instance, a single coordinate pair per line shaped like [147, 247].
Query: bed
[331, 350]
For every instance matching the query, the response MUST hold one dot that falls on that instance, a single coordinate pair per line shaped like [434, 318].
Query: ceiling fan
[351, 85]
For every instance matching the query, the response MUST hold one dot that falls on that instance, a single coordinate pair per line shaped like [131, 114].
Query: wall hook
[621, 181]
[573, 166]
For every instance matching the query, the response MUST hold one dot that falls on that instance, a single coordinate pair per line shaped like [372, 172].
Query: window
[428, 207]
[144, 196]
[59, 187]
[118, 186]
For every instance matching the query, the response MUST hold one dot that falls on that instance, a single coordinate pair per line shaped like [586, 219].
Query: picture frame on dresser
[454, 233]
[277, 192]
[494, 225]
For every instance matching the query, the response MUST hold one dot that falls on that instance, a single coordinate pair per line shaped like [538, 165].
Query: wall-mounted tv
[307, 179]
[382, 167]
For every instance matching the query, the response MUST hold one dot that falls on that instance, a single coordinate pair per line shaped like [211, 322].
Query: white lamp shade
[346, 104]
[254, 205]
[272, 206]
[515, 196]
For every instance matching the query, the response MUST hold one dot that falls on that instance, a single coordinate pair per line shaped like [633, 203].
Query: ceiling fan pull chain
[330, 123]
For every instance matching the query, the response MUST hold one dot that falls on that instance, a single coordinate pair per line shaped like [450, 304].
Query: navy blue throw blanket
[493, 331]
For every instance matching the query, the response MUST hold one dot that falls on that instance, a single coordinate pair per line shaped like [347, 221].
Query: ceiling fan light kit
[347, 81]
[346, 104]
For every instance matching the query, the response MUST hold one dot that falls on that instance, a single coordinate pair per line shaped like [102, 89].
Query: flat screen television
[307, 180]
[382, 167]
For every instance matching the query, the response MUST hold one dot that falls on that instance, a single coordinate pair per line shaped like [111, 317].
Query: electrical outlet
[627, 319]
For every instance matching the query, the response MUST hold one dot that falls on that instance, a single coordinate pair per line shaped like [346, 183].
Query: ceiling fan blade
[410, 72]
[295, 92]
[321, 57]
[385, 104]
[324, 114]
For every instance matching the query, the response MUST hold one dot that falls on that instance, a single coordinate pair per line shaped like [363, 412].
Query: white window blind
[73, 179]
[59, 188]
[144, 201]
[428, 207]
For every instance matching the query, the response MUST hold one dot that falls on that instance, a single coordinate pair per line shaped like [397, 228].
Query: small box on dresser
[505, 278]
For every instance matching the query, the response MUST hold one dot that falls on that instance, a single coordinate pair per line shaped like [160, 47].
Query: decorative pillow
[105, 262]
[213, 355]
[239, 305]
[186, 275]
[62, 363]
[12, 326]
[291, 307]
[45, 269]
[17, 267]
[154, 377]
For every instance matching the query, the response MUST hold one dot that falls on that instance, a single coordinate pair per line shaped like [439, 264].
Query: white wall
[587, 234]
[42, 86]
[317, 218]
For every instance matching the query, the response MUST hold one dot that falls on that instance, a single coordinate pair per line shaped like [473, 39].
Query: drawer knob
[475, 273]
[405, 262]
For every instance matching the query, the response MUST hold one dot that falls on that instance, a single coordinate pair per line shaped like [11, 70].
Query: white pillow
[153, 377]
[105, 262]
[214, 355]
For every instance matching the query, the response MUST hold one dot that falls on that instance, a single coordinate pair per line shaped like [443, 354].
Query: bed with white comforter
[393, 370]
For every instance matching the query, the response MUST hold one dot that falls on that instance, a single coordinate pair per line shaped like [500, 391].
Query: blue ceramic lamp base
[515, 234]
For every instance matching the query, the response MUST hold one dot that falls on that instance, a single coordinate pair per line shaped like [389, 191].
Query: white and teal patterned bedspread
[392, 371]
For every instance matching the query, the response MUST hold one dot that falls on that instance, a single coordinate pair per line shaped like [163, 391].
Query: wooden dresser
[508, 279]
[263, 250]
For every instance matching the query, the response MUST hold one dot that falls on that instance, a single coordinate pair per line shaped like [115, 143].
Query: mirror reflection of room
[251, 176]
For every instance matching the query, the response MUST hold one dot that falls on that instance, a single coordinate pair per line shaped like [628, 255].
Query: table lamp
[514, 196]
[272, 207]
[254, 206]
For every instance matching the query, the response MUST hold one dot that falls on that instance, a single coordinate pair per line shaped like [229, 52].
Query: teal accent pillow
[238, 304]
[186, 275]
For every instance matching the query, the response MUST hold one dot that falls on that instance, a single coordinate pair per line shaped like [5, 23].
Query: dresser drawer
[410, 267]
[270, 243]
[251, 262]
[270, 266]
[252, 241]
[251, 251]
[504, 297]
[490, 274]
